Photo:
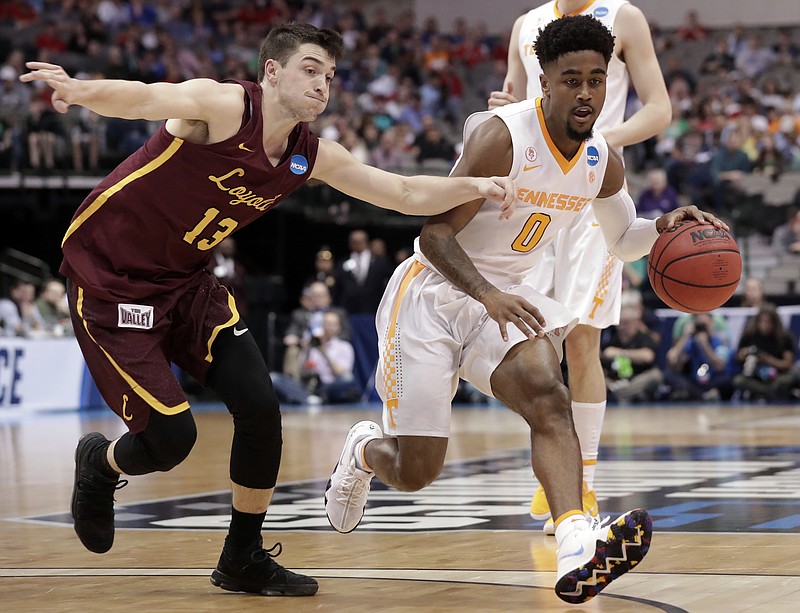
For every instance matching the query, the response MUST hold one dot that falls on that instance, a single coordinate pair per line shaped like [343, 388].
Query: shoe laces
[264, 555]
[352, 488]
[100, 489]
[595, 523]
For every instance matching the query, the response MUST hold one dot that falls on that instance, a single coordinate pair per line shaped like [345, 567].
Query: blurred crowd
[400, 96]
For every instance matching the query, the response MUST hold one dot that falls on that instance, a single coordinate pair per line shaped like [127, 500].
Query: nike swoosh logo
[527, 168]
[594, 225]
[577, 553]
[243, 148]
[238, 332]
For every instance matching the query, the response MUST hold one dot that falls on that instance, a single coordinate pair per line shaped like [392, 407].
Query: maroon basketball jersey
[150, 226]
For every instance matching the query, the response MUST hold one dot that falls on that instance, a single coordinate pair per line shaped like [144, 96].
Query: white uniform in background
[431, 332]
[578, 270]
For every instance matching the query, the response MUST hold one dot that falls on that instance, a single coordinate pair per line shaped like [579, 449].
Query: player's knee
[582, 342]
[549, 407]
[412, 478]
[173, 445]
[257, 414]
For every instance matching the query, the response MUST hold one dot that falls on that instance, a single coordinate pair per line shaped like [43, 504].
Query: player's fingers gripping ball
[694, 267]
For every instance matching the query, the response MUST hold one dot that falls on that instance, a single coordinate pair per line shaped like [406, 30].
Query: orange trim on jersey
[559, 14]
[589, 463]
[140, 391]
[565, 164]
[388, 366]
[232, 321]
[136, 174]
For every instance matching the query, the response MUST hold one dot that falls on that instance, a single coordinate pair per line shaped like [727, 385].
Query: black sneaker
[256, 572]
[93, 497]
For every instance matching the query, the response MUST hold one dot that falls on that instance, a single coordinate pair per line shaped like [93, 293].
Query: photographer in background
[767, 353]
[698, 363]
[327, 364]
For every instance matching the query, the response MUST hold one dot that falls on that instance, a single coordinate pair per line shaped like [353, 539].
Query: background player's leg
[587, 387]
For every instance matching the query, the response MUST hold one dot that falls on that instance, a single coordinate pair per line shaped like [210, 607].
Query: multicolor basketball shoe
[590, 559]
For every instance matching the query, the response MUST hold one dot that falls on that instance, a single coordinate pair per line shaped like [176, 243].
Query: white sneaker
[348, 488]
[590, 559]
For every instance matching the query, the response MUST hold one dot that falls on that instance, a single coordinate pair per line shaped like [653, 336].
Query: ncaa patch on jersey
[135, 316]
[600, 12]
[298, 165]
[592, 156]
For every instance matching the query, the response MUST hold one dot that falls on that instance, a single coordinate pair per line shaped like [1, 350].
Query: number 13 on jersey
[226, 225]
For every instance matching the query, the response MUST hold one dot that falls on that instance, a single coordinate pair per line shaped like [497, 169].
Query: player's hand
[507, 308]
[56, 77]
[500, 188]
[498, 99]
[691, 212]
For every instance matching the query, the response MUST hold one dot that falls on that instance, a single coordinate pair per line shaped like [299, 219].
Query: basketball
[694, 267]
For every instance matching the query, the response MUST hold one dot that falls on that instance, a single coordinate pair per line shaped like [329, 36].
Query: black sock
[98, 458]
[245, 528]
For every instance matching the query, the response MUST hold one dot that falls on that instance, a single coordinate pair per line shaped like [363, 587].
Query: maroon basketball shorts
[128, 346]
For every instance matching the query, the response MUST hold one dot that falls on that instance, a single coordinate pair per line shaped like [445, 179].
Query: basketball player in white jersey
[437, 318]
[577, 270]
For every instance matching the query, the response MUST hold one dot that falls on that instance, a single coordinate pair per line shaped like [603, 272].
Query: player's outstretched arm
[416, 195]
[196, 99]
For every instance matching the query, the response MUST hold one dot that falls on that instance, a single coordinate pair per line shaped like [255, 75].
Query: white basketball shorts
[430, 334]
[578, 271]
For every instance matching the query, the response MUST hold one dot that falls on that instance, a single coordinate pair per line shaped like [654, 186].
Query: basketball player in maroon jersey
[136, 254]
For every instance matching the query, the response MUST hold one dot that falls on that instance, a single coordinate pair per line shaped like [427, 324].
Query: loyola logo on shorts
[135, 316]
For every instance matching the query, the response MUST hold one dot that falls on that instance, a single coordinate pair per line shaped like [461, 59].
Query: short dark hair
[573, 33]
[282, 41]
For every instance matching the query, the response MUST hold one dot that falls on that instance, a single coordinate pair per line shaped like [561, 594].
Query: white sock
[569, 525]
[588, 419]
[358, 451]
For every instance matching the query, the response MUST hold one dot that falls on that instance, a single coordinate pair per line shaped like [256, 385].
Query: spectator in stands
[53, 308]
[754, 58]
[770, 161]
[659, 197]
[87, 138]
[720, 61]
[698, 363]
[753, 295]
[691, 28]
[323, 269]
[729, 166]
[786, 237]
[362, 277]
[389, 154]
[767, 354]
[18, 313]
[42, 127]
[629, 360]
[327, 364]
[431, 145]
[306, 322]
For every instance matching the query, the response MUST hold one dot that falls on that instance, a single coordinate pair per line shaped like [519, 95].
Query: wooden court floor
[722, 483]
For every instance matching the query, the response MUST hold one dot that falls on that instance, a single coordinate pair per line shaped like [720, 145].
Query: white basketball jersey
[551, 191]
[617, 81]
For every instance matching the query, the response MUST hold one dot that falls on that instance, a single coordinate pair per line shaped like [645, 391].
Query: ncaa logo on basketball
[298, 165]
[531, 154]
[592, 156]
[708, 233]
[600, 12]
